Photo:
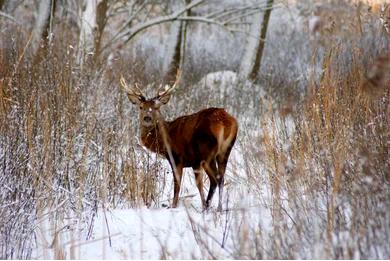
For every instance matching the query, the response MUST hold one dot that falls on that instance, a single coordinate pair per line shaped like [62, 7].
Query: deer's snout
[147, 119]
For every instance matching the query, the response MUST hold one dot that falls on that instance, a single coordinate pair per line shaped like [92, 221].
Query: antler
[167, 90]
[133, 92]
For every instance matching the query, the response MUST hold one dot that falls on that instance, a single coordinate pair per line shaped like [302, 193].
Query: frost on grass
[307, 178]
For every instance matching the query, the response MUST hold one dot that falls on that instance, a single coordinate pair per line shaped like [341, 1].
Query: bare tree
[87, 27]
[101, 21]
[251, 61]
[226, 18]
[177, 57]
[96, 13]
[93, 19]
[43, 27]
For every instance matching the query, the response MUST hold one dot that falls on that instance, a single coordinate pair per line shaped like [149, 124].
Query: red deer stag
[202, 140]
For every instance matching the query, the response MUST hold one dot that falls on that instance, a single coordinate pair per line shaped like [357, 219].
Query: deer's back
[201, 135]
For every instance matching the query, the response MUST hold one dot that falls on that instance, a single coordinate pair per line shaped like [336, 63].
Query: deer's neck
[155, 137]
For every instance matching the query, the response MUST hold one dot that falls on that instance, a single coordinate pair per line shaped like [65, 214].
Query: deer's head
[149, 108]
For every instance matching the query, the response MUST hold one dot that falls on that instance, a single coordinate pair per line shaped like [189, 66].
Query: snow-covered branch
[229, 15]
[159, 20]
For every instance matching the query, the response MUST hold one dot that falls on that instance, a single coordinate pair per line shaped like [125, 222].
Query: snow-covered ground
[186, 232]
[153, 234]
[249, 226]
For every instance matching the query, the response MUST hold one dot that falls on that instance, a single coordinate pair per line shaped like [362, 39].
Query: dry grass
[69, 146]
[62, 144]
[335, 170]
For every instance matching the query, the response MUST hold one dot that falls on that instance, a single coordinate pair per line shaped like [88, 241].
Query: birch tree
[43, 27]
[101, 20]
[93, 19]
[94, 14]
[175, 58]
[251, 61]
[87, 27]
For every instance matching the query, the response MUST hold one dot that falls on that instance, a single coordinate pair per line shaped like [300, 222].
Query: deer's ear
[164, 99]
[135, 99]
[133, 92]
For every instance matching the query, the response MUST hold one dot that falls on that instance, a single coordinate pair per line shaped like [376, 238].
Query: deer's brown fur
[202, 141]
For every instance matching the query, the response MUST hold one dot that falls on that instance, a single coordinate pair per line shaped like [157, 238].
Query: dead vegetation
[69, 144]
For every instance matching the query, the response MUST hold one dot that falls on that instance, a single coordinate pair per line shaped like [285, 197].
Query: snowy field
[308, 177]
[186, 232]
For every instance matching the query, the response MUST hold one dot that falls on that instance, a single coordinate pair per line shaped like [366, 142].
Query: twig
[127, 23]
[285, 211]
[90, 241]
[9, 17]
[159, 20]
[108, 228]
[20, 59]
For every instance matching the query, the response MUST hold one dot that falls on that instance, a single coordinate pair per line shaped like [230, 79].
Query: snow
[159, 232]
[225, 84]
[149, 234]
[154, 232]
[186, 232]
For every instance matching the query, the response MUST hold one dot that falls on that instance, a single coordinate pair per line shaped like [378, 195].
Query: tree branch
[9, 17]
[159, 20]
[127, 23]
[223, 18]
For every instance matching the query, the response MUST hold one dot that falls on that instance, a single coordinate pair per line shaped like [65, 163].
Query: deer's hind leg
[212, 172]
[222, 160]
[199, 184]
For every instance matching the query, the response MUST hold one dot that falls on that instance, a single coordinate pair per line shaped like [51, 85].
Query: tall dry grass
[330, 178]
[68, 146]
[67, 143]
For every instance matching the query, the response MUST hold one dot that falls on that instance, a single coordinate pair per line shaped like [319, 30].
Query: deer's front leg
[177, 175]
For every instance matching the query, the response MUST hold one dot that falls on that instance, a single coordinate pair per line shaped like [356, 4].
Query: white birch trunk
[87, 29]
[171, 44]
[42, 17]
[251, 47]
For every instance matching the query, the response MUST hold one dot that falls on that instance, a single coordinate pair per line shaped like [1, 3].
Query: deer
[201, 141]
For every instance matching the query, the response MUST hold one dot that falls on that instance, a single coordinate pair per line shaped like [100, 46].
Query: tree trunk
[101, 20]
[87, 29]
[251, 62]
[177, 60]
[93, 21]
[43, 28]
[2, 3]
